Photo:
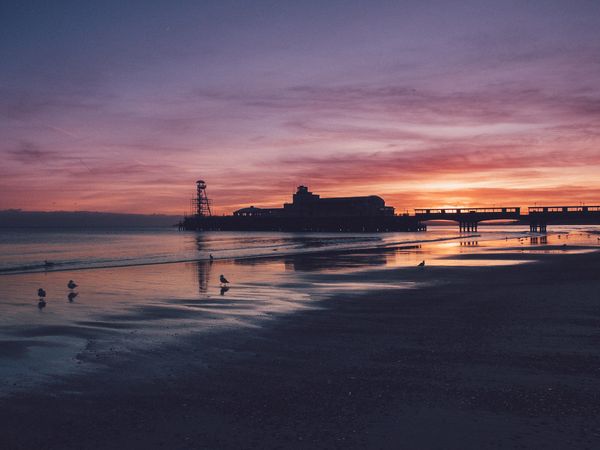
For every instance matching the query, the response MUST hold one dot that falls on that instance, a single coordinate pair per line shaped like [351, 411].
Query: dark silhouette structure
[306, 204]
[309, 212]
[541, 216]
[538, 217]
[469, 218]
[201, 202]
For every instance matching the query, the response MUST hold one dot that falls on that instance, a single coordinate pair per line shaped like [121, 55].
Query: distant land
[16, 218]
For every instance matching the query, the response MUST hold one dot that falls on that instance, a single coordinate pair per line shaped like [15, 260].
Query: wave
[306, 246]
[26, 252]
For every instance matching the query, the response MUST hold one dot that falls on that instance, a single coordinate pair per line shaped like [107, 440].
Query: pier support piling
[537, 227]
[467, 226]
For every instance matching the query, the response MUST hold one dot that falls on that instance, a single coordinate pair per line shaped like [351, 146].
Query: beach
[488, 345]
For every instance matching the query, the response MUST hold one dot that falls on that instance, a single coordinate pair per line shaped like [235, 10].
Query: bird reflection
[224, 289]
[71, 296]
[42, 298]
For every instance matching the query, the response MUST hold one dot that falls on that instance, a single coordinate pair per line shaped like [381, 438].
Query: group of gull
[72, 285]
[71, 296]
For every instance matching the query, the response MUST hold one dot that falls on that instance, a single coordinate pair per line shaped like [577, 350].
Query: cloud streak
[476, 104]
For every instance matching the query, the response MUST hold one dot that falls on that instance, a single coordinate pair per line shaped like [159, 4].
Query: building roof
[249, 209]
[352, 199]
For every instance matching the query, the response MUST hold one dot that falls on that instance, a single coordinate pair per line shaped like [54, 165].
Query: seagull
[422, 264]
[41, 293]
[211, 257]
[71, 284]
[223, 280]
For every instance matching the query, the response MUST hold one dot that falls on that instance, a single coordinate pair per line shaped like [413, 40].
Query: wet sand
[472, 357]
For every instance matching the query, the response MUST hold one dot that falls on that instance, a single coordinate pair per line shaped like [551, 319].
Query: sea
[142, 288]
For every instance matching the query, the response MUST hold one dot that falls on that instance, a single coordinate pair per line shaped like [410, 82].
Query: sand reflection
[128, 308]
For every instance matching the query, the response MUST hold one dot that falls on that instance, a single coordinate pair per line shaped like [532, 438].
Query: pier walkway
[469, 218]
[538, 217]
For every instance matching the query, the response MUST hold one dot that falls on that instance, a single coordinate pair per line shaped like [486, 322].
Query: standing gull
[223, 279]
[71, 284]
[422, 263]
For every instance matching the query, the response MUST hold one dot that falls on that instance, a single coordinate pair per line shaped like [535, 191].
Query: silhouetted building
[306, 204]
[306, 212]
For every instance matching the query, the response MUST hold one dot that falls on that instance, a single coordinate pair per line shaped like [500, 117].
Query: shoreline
[495, 356]
[366, 247]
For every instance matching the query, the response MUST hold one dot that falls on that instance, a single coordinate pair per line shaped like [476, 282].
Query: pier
[310, 212]
[469, 218]
[538, 217]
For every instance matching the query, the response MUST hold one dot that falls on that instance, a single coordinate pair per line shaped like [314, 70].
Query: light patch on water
[125, 309]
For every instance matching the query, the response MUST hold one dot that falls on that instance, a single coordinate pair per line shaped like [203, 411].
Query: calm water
[140, 288]
[26, 251]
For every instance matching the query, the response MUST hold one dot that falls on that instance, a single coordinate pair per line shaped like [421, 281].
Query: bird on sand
[223, 280]
[211, 257]
[422, 264]
[71, 284]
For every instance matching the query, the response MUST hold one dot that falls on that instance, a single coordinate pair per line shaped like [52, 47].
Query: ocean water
[144, 288]
[23, 251]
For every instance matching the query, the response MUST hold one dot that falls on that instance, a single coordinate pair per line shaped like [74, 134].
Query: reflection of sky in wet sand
[118, 310]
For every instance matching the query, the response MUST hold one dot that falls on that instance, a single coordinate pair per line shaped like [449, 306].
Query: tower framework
[202, 204]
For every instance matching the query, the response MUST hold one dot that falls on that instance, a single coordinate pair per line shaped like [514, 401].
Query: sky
[121, 106]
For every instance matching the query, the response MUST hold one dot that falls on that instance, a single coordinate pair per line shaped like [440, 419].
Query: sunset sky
[121, 106]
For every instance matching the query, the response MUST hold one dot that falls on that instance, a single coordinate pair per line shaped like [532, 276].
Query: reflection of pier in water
[327, 261]
[469, 243]
[535, 240]
[348, 259]
[203, 267]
